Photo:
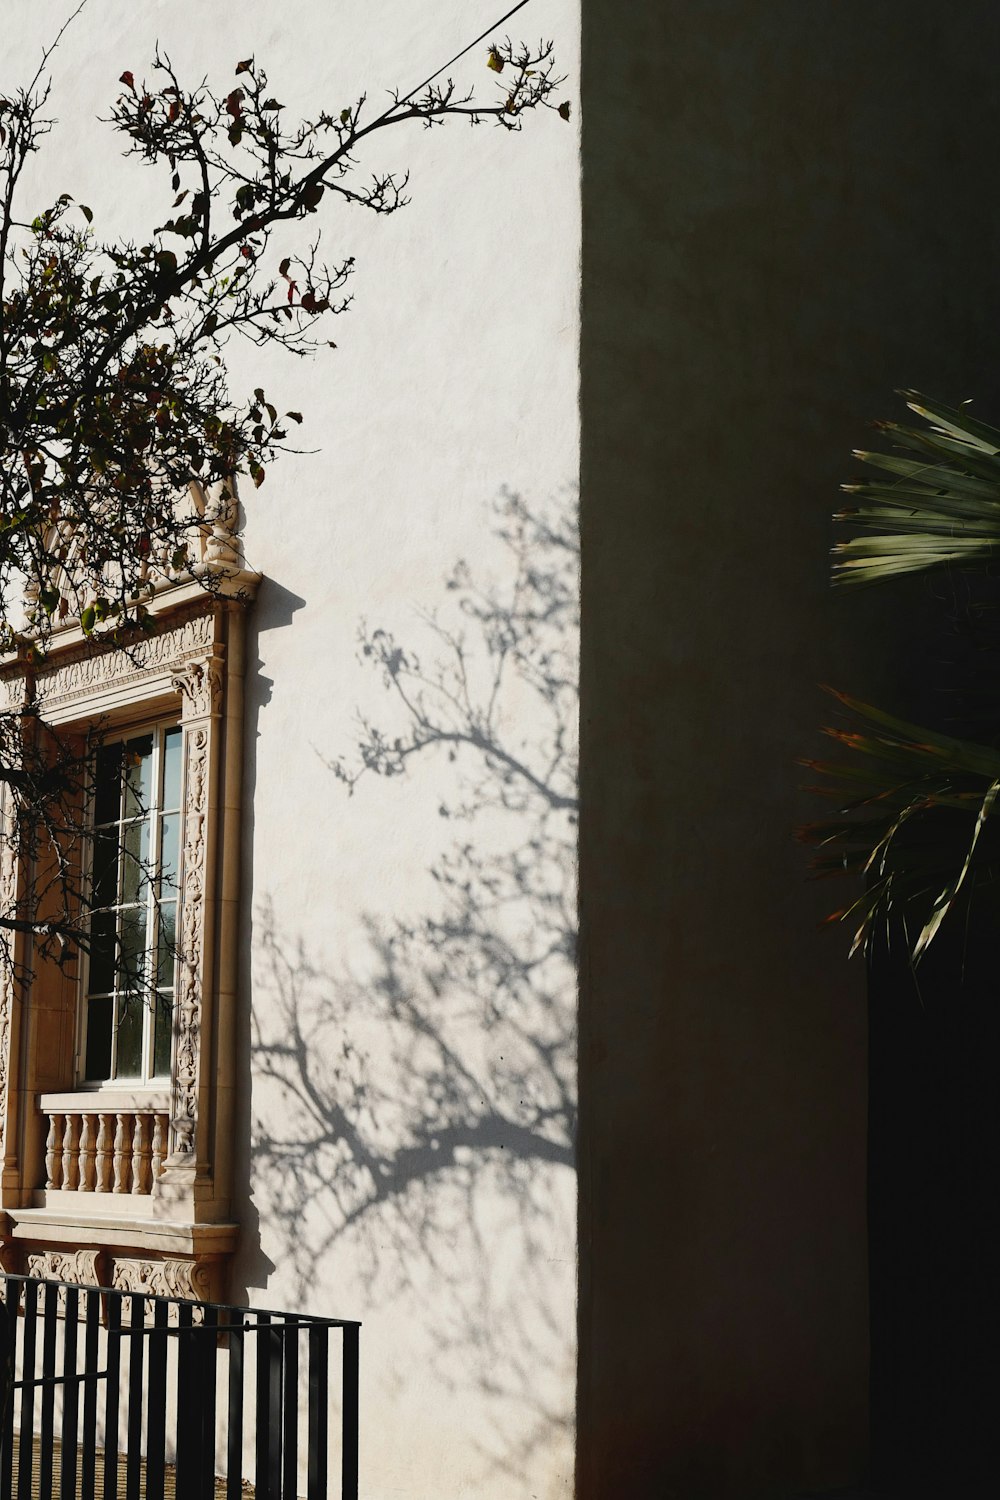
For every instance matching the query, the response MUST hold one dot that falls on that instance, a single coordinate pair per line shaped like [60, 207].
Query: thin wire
[489, 30]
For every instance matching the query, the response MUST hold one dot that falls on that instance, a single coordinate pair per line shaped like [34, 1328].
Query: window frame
[157, 725]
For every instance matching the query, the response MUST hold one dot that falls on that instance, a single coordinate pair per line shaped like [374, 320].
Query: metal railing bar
[275, 1357]
[7, 1435]
[88, 1460]
[187, 1409]
[350, 1416]
[156, 1403]
[71, 1400]
[26, 1451]
[234, 1456]
[49, 1317]
[136, 1360]
[114, 1316]
[319, 1341]
[290, 1414]
[263, 1444]
[206, 1416]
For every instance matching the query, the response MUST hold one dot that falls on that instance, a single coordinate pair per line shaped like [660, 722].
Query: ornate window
[117, 1071]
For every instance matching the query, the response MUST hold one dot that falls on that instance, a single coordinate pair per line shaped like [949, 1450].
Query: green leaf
[913, 806]
[957, 421]
[947, 898]
[942, 512]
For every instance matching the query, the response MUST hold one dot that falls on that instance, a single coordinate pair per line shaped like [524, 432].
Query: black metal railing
[121, 1394]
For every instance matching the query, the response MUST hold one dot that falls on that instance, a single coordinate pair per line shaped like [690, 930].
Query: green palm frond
[917, 817]
[938, 508]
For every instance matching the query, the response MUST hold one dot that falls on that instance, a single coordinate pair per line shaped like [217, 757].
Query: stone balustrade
[97, 1146]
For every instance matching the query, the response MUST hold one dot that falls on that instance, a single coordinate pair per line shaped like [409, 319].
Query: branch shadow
[422, 1113]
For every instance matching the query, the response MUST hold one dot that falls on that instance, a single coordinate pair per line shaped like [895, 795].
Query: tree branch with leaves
[114, 395]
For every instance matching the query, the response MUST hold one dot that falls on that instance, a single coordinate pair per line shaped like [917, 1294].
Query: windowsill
[98, 1098]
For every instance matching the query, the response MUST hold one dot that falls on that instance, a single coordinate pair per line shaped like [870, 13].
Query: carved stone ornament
[81, 1267]
[184, 1110]
[86, 670]
[162, 1278]
[78, 1267]
[8, 901]
[201, 684]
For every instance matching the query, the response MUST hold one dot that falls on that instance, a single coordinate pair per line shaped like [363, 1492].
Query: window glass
[172, 769]
[169, 854]
[164, 1030]
[130, 1029]
[108, 785]
[98, 1060]
[129, 995]
[138, 775]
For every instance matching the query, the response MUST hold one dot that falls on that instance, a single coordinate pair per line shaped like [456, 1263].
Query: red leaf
[128, 80]
[245, 66]
[233, 103]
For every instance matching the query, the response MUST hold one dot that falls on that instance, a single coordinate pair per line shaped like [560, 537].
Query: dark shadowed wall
[789, 211]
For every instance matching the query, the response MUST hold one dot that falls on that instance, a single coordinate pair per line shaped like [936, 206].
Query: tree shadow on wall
[428, 1103]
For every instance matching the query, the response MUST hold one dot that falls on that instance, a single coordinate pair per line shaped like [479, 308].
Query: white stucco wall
[454, 379]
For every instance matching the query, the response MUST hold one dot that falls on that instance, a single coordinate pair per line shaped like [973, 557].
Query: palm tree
[917, 811]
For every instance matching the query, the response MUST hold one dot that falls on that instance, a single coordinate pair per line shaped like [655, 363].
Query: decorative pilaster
[12, 960]
[8, 907]
[201, 686]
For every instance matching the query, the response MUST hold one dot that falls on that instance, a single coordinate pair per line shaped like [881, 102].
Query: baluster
[53, 1157]
[71, 1153]
[159, 1146]
[140, 1154]
[122, 1154]
[103, 1163]
[87, 1134]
